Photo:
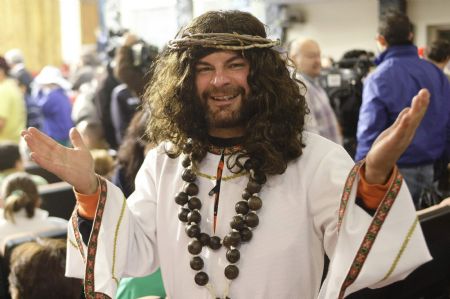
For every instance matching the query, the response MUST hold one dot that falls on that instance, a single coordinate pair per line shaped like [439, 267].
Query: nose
[220, 78]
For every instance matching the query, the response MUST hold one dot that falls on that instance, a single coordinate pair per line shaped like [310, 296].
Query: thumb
[76, 139]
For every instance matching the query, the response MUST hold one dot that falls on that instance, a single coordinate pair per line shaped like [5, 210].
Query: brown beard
[235, 118]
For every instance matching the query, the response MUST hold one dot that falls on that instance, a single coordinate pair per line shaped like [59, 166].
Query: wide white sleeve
[123, 237]
[373, 251]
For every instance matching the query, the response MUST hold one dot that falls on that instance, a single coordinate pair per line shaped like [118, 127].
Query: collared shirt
[391, 88]
[321, 119]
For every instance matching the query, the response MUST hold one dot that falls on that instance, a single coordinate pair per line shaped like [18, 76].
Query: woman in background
[21, 212]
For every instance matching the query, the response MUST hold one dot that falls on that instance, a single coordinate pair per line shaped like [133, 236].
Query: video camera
[343, 84]
[143, 54]
[347, 74]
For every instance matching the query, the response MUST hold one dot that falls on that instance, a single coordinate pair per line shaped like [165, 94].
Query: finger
[38, 137]
[400, 116]
[420, 102]
[76, 139]
[418, 109]
[41, 144]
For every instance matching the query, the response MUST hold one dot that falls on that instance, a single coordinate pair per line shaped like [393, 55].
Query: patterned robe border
[89, 283]
[78, 238]
[347, 190]
[372, 232]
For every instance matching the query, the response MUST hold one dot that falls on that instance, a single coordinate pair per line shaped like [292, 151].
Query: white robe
[284, 259]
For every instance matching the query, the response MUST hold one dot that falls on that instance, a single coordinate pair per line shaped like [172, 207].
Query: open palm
[393, 141]
[73, 165]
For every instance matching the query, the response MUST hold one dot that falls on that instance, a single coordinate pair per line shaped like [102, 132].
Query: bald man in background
[321, 120]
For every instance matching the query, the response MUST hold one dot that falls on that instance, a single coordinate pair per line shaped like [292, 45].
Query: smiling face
[222, 87]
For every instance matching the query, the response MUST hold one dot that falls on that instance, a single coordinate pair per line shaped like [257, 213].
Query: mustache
[228, 90]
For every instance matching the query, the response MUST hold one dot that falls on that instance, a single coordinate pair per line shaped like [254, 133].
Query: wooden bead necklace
[241, 224]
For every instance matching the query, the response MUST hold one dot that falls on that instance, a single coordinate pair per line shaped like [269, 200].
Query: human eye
[237, 65]
[203, 69]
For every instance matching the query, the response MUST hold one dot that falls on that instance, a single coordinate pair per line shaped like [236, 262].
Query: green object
[135, 287]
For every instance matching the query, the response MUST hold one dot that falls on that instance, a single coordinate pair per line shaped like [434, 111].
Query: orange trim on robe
[372, 194]
[87, 204]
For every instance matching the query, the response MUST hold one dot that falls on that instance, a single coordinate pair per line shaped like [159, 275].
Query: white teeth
[223, 98]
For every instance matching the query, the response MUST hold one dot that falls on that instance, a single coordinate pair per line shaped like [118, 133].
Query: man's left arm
[393, 141]
[390, 244]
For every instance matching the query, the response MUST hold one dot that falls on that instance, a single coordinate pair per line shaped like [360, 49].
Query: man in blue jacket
[388, 91]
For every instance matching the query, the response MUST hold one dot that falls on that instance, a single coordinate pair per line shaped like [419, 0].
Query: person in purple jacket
[389, 89]
[55, 104]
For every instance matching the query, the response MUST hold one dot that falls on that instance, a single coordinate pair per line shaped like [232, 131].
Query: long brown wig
[275, 119]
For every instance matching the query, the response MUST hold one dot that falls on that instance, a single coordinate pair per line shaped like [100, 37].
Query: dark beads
[246, 234]
[188, 175]
[204, 239]
[194, 203]
[231, 271]
[194, 216]
[193, 230]
[241, 207]
[214, 243]
[255, 203]
[201, 278]
[181, 198]
[253, 187]
[195, 247]
[188, 146]
[233, 255]
[251, 164]
[246, 194]
[258, 177]
[248, 164]
[191, 189]
[182, 215]
[172, 155]
[251, 219]
[196, 263]
[186, 162]
[233, 239]
[237, 222]
[199, 154]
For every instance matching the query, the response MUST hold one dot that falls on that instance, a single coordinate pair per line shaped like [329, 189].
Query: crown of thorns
[226, 41]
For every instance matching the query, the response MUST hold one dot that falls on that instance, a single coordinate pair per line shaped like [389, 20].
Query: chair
[37, 170]
[58, 199]
[12, 243]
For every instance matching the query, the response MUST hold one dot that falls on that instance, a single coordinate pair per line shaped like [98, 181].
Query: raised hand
[73, 165]
[393, 141]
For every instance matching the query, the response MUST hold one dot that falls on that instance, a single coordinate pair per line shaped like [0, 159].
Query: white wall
[424, 13]
[154, 21]
[70, 30]
[338, 25]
